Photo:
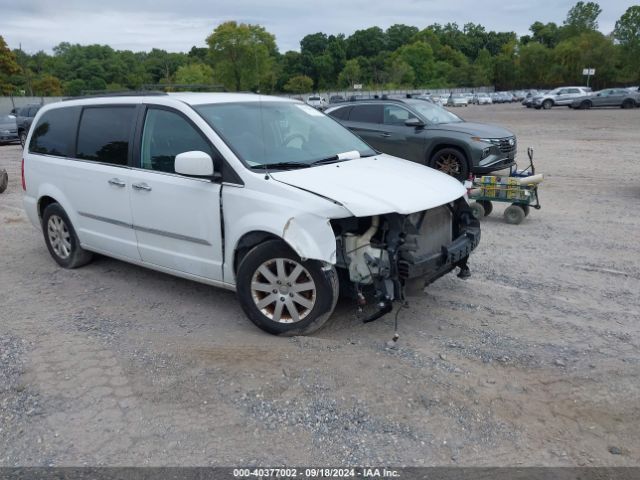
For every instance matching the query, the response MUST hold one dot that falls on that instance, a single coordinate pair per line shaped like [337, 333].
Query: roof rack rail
[127, 93]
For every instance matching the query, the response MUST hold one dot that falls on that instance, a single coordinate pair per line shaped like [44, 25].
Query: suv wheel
[452, 162]
[61, 238]
[23, 138]
[547, 104]
[586, 105]
[283, 294]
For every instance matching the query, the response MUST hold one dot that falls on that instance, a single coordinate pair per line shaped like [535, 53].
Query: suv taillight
[24, 183]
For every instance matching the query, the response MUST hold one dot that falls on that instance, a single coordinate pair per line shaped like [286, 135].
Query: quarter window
[55, 132]
[104, 134]
[166, 134]
[366, 114]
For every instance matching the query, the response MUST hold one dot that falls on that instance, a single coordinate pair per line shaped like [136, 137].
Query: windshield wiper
[281, 166]
[340, 157]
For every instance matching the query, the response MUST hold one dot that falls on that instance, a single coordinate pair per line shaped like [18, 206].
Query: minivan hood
[377, 185]
[481, 130]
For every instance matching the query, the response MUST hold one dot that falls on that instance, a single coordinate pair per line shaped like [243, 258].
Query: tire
[67, 251]
[452, 162]
[487, 205]
[586, 105]
[514, 214]
[477, 210]
[526, 209]
[23, 138]
[628, 104]
[4, 180]
[547, 104]
[271, 306]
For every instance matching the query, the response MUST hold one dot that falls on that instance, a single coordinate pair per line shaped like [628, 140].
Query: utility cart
[520, 189]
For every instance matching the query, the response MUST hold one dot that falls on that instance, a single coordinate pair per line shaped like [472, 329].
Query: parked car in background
[457, 100]
[316, 101]
[428, 134]
[634, 89]
[562, 96]
[527, 101]
[610, 97]
[8, 129]
[262, 195]
[336, 99]
[24, 118]
[481, 99]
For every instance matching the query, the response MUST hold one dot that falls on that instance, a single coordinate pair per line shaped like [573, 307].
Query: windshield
[265, 133]
[433, 113]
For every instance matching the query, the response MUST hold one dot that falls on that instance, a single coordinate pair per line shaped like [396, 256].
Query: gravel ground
[532, 361]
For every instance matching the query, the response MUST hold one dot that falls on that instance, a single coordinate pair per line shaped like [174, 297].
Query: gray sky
[177, 25]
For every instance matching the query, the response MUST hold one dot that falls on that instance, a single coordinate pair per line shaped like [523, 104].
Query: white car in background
[457, 100]
[482, 99]
[316, 101]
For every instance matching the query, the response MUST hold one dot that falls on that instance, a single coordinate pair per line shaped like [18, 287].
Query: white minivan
[262, 195]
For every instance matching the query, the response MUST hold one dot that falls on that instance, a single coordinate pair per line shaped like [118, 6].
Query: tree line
[245, 57]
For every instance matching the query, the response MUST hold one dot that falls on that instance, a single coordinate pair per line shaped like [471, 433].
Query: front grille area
[508, 144]
[435, 229]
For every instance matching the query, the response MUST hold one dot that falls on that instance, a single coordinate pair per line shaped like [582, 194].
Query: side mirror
[194, 164]
[414, 122]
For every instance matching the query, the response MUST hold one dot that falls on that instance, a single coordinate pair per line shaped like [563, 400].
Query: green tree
[48, 85]
[627, 33]
[350, 74]
[399, 35]
[546, 34]
[582, 17]
[535, 60]
[419, 56]
[243, 55]
[366, 43]
[8, 66]
[299, 84]
[194, 74]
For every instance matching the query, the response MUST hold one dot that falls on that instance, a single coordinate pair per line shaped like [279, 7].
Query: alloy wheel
[449, 164]
[283, 290]
[59, 236]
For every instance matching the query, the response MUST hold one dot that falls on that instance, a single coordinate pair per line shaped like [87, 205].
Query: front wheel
[283, 294]
[23, 138]
[452, 162]
[514, 214]
[547, 104]
[4, 180]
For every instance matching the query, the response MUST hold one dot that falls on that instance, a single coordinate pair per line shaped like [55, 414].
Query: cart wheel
[526, 209]
[4, 180]
[487, 205]
[514, 214]
[477, 210]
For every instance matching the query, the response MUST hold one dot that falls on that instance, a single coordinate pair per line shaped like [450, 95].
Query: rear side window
[366, 114]
[341, 113]
[104, 134]
[55, 132]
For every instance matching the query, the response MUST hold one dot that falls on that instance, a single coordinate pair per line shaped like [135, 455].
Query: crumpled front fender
[311, 237]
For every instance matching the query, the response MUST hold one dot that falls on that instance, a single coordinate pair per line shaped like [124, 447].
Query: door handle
[141, 186]
[385, 134]
[116, 182]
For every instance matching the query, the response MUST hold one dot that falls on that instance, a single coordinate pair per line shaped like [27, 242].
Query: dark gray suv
[425, 133]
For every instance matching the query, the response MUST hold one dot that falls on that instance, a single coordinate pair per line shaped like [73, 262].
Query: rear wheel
[586, 105]
[452, 162]
[547, 104]
[61, 239]
[283, 294]
[628, 103]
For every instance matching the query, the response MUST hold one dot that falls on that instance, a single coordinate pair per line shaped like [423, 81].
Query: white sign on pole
[357, 86]
[588, 71]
